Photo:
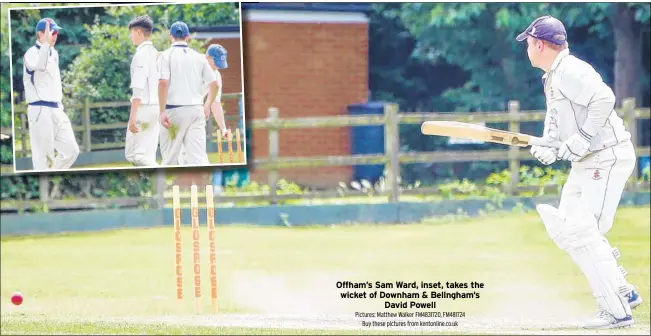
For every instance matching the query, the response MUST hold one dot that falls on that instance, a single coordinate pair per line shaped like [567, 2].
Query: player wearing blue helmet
[52, 139]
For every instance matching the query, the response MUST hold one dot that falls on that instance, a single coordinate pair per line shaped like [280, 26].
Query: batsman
[581, 115]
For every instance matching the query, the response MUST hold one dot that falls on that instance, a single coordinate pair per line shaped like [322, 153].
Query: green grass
[119, 281]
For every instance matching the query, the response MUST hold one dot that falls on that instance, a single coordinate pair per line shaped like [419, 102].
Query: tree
[465, 58]
[628, 22]
[194, 15]
[398, 76]
[479, 38]
[72, 38]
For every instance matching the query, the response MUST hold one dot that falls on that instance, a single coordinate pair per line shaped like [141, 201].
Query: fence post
[392, 150]
[514, 151]
[23, 133]
[160, 188]
[628, 105]
[273, 154]
[44, 188]
[85, 120]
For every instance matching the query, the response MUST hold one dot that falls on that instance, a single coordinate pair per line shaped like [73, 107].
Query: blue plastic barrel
[644, 165]
[367, 140]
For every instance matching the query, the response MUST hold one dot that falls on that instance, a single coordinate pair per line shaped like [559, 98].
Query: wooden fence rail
[86, 128]
[392, 157]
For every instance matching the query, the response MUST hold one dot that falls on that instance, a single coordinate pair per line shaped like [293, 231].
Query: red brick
[305, 70]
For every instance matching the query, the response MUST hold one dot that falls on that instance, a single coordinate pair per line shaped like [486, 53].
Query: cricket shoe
[631, 294]
[634, 298]
[605, 320]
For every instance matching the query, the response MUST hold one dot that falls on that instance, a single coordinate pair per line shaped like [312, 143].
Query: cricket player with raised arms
[52, 140]
[143, 130]
[183, 113]
[581, 114]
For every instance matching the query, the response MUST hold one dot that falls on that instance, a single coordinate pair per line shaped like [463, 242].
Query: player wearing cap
[184, 74]
[217, 58]
[50, 129]
[581, 115]
[143, 130]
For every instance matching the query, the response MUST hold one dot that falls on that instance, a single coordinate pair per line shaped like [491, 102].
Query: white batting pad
[553, 220]
[577, 234]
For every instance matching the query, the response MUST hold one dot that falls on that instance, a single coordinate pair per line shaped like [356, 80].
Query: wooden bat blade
[455, 129]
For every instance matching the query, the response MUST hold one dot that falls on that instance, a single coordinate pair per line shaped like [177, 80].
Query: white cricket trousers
[599, 181]
[51, 138]
[189, 123]
[141, 147]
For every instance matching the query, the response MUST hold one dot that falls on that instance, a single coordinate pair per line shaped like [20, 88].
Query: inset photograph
[156, 85]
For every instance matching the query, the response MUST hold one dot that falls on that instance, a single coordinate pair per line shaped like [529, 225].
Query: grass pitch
[277, 280]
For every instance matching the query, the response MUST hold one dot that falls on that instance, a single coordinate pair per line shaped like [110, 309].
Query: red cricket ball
[17, 298]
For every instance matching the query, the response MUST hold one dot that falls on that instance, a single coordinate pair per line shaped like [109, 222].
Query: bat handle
[535, 141]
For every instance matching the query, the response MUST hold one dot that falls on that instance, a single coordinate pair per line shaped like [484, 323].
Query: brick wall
[232, 78]
[305, 69]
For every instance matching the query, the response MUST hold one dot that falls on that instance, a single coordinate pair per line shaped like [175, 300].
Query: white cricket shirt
[187, 71]
[206, 89]
[41, 74]
[578, 101]
[145, 73]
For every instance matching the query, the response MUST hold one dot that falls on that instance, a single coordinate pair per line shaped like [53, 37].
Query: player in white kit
[183, 114]
[51, 137]
[143, 130]
[217, 58]
[581, 115]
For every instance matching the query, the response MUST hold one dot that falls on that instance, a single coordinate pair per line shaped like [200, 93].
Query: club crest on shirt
[596, 175]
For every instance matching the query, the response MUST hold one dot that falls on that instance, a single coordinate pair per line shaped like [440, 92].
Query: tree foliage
[464, 57]
[72, 37]
[195, 15]
[101, 70]
[479, 38]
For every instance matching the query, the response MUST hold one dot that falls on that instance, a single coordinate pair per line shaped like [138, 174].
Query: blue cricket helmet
[219, 55]
[179, 29]
[54, 27]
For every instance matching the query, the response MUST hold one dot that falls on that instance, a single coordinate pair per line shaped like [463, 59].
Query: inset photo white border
[103, 145]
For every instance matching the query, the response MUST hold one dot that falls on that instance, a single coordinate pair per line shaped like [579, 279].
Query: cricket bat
[455, 129]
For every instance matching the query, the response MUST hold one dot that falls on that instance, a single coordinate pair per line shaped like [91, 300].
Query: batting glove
[574, 149]
[546, 155]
